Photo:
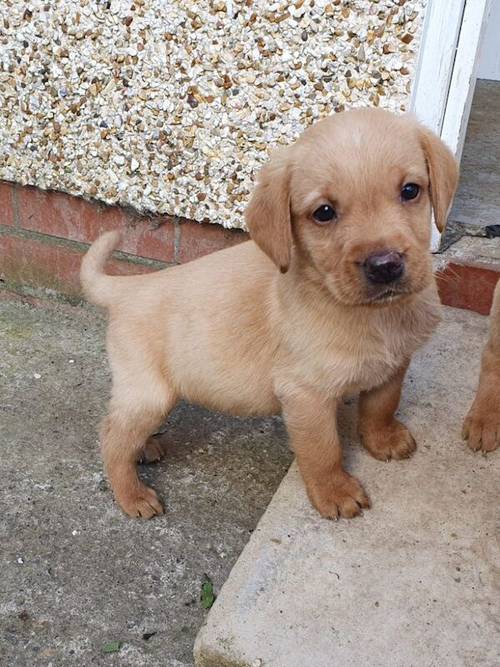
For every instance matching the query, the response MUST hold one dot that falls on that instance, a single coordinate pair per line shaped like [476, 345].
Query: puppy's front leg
[482, 424]
[312, 425]
[382, 434]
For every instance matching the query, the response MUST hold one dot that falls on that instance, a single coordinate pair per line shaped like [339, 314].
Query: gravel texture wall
[171, 106]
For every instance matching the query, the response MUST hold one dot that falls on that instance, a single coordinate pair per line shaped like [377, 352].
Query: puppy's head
[351, 202]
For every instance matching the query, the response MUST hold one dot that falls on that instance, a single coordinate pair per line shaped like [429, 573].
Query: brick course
[7, 216]
[66, 217]
[468, 286]
[198, 239]
[43, 235]
[43, 262]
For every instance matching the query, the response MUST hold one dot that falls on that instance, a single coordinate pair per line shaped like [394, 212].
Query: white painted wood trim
[446, 71]
[463, 81]
[440, 34]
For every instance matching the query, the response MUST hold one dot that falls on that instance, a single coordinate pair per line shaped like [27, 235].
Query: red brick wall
[468, 286]
[43, 236]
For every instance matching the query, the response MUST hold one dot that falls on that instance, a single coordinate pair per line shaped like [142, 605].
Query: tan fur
[233, 333]
[482, 424]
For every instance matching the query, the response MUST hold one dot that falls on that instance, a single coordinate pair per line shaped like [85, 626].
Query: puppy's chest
[360, 358]
[360, 365]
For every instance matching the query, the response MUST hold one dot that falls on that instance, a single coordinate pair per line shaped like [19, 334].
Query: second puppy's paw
[481, 428]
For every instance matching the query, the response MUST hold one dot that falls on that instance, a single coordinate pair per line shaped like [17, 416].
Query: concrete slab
[414, 582]
[477, 201]
[75, 573]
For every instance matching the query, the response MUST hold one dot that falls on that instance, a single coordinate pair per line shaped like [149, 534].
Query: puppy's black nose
[384, 267]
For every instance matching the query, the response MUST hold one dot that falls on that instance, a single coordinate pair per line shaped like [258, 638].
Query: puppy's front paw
[141, 502]
[390, 442]
[339, 495]
[481, 427]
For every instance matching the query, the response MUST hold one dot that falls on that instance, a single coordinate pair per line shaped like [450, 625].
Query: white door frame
[446, 69]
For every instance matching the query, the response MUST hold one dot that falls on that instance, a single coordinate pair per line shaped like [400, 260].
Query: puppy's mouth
[389, 295]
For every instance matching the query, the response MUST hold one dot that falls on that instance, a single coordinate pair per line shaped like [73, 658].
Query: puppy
[332, 296]
[482, 424]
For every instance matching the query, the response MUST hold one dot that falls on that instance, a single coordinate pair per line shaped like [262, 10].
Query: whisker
[449, 277]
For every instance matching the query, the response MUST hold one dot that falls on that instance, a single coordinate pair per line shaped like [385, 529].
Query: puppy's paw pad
[392, 442]
[143, 503]
[343, 496]
[153, 451]
[481, 429]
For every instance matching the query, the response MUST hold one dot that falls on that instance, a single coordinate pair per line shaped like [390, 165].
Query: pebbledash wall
[170, 107]
[155, 115]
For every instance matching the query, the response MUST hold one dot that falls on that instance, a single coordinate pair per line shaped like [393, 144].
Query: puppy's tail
[96, 285]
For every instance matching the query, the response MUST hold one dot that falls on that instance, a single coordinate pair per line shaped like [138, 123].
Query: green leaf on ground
[112, 647]
[207, 593]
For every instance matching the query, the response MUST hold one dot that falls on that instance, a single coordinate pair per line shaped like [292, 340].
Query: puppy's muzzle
[384, 268]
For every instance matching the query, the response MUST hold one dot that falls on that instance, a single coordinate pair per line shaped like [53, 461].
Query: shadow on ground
[76, 574]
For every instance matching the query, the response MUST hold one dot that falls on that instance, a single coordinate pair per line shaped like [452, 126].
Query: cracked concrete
[76, 573]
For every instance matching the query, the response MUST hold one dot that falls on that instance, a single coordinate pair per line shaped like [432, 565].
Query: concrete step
[414, 582]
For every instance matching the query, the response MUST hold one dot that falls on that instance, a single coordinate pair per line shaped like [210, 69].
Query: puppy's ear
[443, 174]
[268, 213]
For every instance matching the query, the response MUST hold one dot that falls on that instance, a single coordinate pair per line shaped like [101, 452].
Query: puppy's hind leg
[135, 413]
[153, 451]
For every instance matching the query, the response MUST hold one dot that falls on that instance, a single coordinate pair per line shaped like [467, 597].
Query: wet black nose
[384, 267]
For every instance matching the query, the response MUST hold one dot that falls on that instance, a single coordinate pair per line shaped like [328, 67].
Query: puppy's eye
[324, 214]
[409, 191]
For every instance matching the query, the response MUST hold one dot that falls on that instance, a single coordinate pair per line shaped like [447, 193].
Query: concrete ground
[75, 573]
[415, 581]
[477, 201]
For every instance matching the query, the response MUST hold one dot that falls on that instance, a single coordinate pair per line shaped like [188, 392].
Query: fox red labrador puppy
[332, 296]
